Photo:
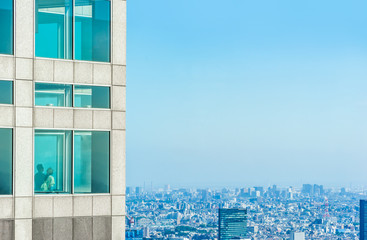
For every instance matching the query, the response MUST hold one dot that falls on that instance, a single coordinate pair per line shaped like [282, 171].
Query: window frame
[12, 92]
[72, 192]
[73, 36]
[72, 95]
[12, 162]
[109, 100]
[14, 30]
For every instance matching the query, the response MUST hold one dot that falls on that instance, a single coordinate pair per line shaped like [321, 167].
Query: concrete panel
[118, 98]
[23, 207]
[24, 18]
[23, 93]
[119, 75]
[101, 205]
[83, 72]
[24, 68]
[43, 207]
[102, 228]
[83, 206]
[23, 229]
[64, 71]
[7, 67]
[43, 117]
[102, 74]
[102, 119]
[63, 118]
[6, 209]
[63, 206]
[63, 229]
[23, 117]
[24, 162]
[118, 228]
[6, 116]
[118, 120]
[118, 164]
[82, 228]
[118, 205]
[43, 70]
[6, 229]
[119, 32]
[42, 229]
[83, 119]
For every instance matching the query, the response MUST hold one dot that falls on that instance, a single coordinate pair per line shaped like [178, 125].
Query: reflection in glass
[54, 24]
[52, 161]
[91, 97]
[6, 161]
[58, 95]
[6, 92]
[92, 30]
[91, 162]
[6, 27]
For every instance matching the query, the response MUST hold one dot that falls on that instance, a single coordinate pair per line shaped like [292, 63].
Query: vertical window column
[91, 162]
[92, 30]
[54, 28]
[6, 27]
[52, 161]
[6, 161]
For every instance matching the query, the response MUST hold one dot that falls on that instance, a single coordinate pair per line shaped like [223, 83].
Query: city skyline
[247, 92]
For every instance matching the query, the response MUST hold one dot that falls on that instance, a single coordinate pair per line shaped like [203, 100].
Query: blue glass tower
[363, 220]
[232, 223]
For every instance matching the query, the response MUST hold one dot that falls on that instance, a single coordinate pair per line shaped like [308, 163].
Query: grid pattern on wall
[23, 213]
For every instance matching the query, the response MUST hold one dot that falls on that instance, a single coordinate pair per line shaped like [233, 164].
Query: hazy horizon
[246, 92]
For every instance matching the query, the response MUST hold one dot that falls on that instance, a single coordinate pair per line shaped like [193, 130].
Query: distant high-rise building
[298, 236]
[363, 220]
[129, 190]
[307, 189]
[138, 190]
[232, 223]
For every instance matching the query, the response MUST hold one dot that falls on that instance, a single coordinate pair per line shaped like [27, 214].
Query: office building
[232, 223]
[62, 119]
[363, 220]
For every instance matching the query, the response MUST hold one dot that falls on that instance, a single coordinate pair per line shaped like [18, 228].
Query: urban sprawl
[272, 212]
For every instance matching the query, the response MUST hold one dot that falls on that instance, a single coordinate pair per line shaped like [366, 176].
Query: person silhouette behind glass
[49, 183]
[39, 177]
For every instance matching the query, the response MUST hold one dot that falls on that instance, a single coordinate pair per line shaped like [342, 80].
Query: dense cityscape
[272, 212]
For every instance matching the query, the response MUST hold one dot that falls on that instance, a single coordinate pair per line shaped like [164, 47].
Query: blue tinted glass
[6, 92]
[52, 161]
[91, 162]
[54, 24]
[6, 27]
[6, 161]
[92, 30]
[91, 97]
[57, 95]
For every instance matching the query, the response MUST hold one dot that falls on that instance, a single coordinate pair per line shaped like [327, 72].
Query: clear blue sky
[243, 92]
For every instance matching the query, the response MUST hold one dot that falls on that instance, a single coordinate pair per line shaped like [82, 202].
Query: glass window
[6, 92]
[54, 24]
[52, 161]
[92, 30]
[6, 161]
[59, 95]
[91, 97]
[6, 27]
[91, 162]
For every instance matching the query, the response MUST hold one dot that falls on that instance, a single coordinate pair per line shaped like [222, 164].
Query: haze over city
[247, 92]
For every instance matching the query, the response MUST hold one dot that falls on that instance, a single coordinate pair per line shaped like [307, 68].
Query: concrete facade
[24, 215]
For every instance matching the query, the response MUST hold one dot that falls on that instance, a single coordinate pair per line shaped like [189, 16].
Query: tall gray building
[62, 119]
